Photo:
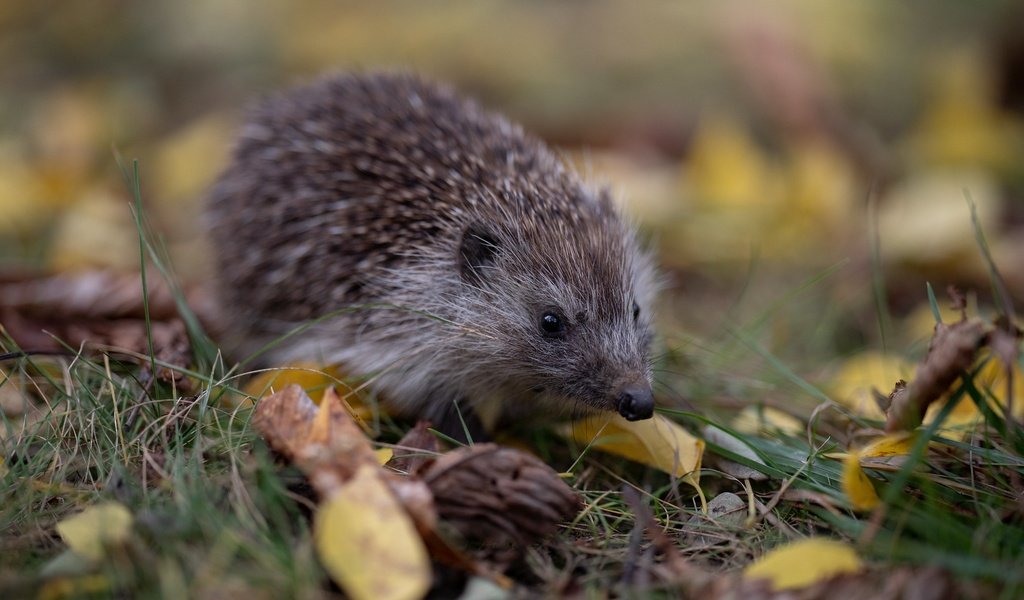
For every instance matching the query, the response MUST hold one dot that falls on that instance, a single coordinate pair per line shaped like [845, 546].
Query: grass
[217, 515]
[211, 507]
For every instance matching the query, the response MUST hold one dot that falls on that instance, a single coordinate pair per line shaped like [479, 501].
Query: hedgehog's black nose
[636, 402]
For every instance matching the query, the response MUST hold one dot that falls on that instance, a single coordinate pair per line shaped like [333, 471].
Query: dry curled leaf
[367, 527]
[416, 448]
[92, 295]
[325, 442]
[951, 351]
[499, 496]
[101, 310]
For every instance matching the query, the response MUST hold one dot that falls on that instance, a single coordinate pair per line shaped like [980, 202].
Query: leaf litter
[375, 526]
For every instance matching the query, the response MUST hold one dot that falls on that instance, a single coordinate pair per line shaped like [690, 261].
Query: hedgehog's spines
[387, 190]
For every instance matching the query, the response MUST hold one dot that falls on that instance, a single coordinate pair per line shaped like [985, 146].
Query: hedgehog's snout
[635, 402]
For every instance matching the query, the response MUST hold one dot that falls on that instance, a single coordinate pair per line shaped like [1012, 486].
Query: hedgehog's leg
[457, 420]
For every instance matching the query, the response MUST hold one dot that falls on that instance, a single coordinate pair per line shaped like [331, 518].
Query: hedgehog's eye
[552, 324]
[636, 311]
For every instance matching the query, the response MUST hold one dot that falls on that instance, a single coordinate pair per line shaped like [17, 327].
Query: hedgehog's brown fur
[435, 235]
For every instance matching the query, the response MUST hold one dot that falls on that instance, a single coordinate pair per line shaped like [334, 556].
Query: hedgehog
[384, 223]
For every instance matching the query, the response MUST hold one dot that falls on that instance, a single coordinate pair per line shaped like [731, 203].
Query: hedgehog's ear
[476, 252]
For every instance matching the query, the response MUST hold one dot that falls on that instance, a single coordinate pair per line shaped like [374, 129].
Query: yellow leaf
[726, 167]
[314, 379]
[962, 124]
[925, 220]
[367, 542]
[21, 193]
[384, 455]
[803, 563]
[893, 444]
[96, 528]
[857, 486]
[919, 325]
[74, 587]
[821, 188]
[993, 376]
[657, 442]
[189, 159]
[759, 419]
[96, 232]
[852, 386]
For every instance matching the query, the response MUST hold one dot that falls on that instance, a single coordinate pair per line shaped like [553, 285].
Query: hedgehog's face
[567, 311]
[594, 359]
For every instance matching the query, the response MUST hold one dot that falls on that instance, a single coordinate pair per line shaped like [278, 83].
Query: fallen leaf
[862, 374]
[367, 542]
[98, 294]
[75, 587]
[97, 528]
[726, 167]
[765, 419]
[417, 447]
[893, 444]
[100, 310]
[330, 448]
[284, 419]
[953, 349]
[383, 455]
[993, 377]
[804, 563]
[857, 486]
[962, 124]
[96, 232]
[325, 442]
[188, 160]
[924, 220]
[314, 379]
[657, 442]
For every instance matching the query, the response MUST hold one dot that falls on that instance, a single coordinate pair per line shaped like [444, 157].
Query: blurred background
[802, 168]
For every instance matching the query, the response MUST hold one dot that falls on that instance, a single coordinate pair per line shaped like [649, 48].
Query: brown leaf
[325, 442]
[284, 419]
[951, 351]
[93, 294]
[417, 448]
[329, 447]
[97, 310]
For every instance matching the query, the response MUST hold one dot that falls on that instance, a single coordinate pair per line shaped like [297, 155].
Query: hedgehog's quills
[461, 260]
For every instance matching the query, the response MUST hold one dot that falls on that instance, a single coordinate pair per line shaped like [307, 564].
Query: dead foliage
[671, 570]
[497, 497]
[952, 350]
[98, 311]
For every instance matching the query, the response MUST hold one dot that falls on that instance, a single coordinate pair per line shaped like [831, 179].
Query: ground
[812, 178]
